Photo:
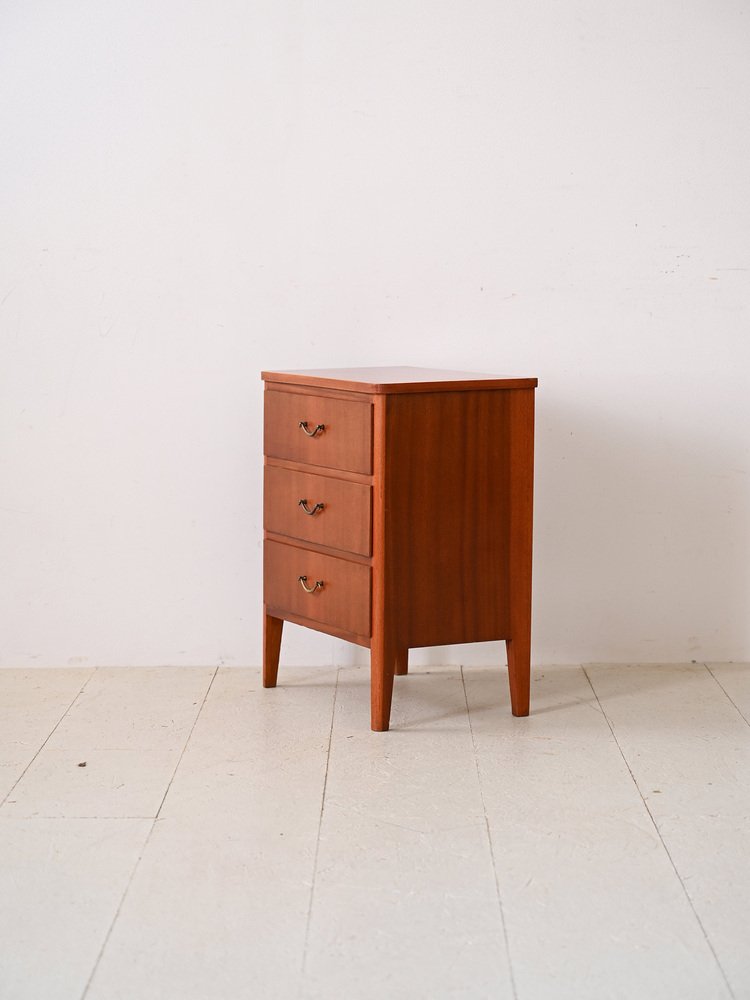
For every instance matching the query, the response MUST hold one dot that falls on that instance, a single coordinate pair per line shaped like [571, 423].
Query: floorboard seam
[739, 710]
[661, 839]
[142, 851]
[489, 840]
[49, 737]
[303, 970]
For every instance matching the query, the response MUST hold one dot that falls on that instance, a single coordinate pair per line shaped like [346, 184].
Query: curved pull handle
[309, 590]
[310, 510]
[311, 434]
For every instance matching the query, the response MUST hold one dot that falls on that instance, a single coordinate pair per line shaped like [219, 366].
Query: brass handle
[308, 510]
[311, 434]
[310, 590]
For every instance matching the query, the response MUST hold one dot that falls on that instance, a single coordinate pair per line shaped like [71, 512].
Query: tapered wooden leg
[271, 648]
[521, 416]
[519, 672]
[402, 662]
[382, 666]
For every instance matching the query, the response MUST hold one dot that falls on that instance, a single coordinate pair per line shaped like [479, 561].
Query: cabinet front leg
[382, 668]
[519, 673]
[271, 649]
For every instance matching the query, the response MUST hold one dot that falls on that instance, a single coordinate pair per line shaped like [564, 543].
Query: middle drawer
[320, 509]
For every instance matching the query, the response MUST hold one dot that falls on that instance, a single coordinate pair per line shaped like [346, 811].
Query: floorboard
[689, 752]
[226, 841]
[405, 903]
[592, 903]
[218, 906]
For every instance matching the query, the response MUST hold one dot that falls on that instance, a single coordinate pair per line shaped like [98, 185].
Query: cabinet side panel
[448, 516]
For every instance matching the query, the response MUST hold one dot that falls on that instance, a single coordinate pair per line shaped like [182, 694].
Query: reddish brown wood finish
[272, 628]
[346, 442]
[343, 600]
[520, 530]
[350, 477]
[314, 547]
[396, 379]
[326, 627]
[402, 662]
[447, 493]
[452, 481]
[344, 522]
[383, 643]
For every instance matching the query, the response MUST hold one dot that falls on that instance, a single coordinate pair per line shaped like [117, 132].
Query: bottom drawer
[343, 600]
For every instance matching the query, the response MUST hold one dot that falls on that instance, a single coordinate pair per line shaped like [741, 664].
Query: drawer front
[335, 512]
[343, 600]
[344, 443]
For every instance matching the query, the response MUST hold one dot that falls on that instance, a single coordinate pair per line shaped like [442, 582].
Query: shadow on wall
[641, 539]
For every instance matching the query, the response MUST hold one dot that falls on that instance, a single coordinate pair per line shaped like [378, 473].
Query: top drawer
[345, 442]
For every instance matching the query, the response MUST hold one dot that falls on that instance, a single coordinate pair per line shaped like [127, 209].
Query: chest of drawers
[398, 513]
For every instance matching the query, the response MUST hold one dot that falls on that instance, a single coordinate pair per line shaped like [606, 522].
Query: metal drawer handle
[311, 434]
[310, 590]
[308, 510]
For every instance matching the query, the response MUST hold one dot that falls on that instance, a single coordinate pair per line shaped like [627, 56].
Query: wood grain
[383, 645]
[324, 550]
[350, 477]
[346, 442]
[397, 379]
[325, 627]
[272, 629]
[345, 521]
[447, 495]
[402, 662]
[344, 600]
[520, 531]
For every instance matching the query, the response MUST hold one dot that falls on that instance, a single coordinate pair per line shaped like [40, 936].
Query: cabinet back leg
[402, 662]
[519, 671]
[271, 649]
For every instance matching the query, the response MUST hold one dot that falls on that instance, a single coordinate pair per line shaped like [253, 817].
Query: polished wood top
[397, 379]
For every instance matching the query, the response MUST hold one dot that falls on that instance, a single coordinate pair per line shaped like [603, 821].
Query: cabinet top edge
[397, 379]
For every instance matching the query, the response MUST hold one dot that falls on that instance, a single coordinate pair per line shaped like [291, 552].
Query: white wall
[194, 191]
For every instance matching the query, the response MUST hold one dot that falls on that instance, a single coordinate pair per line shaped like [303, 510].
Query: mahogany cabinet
[398, 513]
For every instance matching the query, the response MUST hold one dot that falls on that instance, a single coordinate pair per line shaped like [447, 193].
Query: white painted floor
[223, 841]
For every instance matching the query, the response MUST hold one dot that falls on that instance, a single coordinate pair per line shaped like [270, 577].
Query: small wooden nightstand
[398, 513]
